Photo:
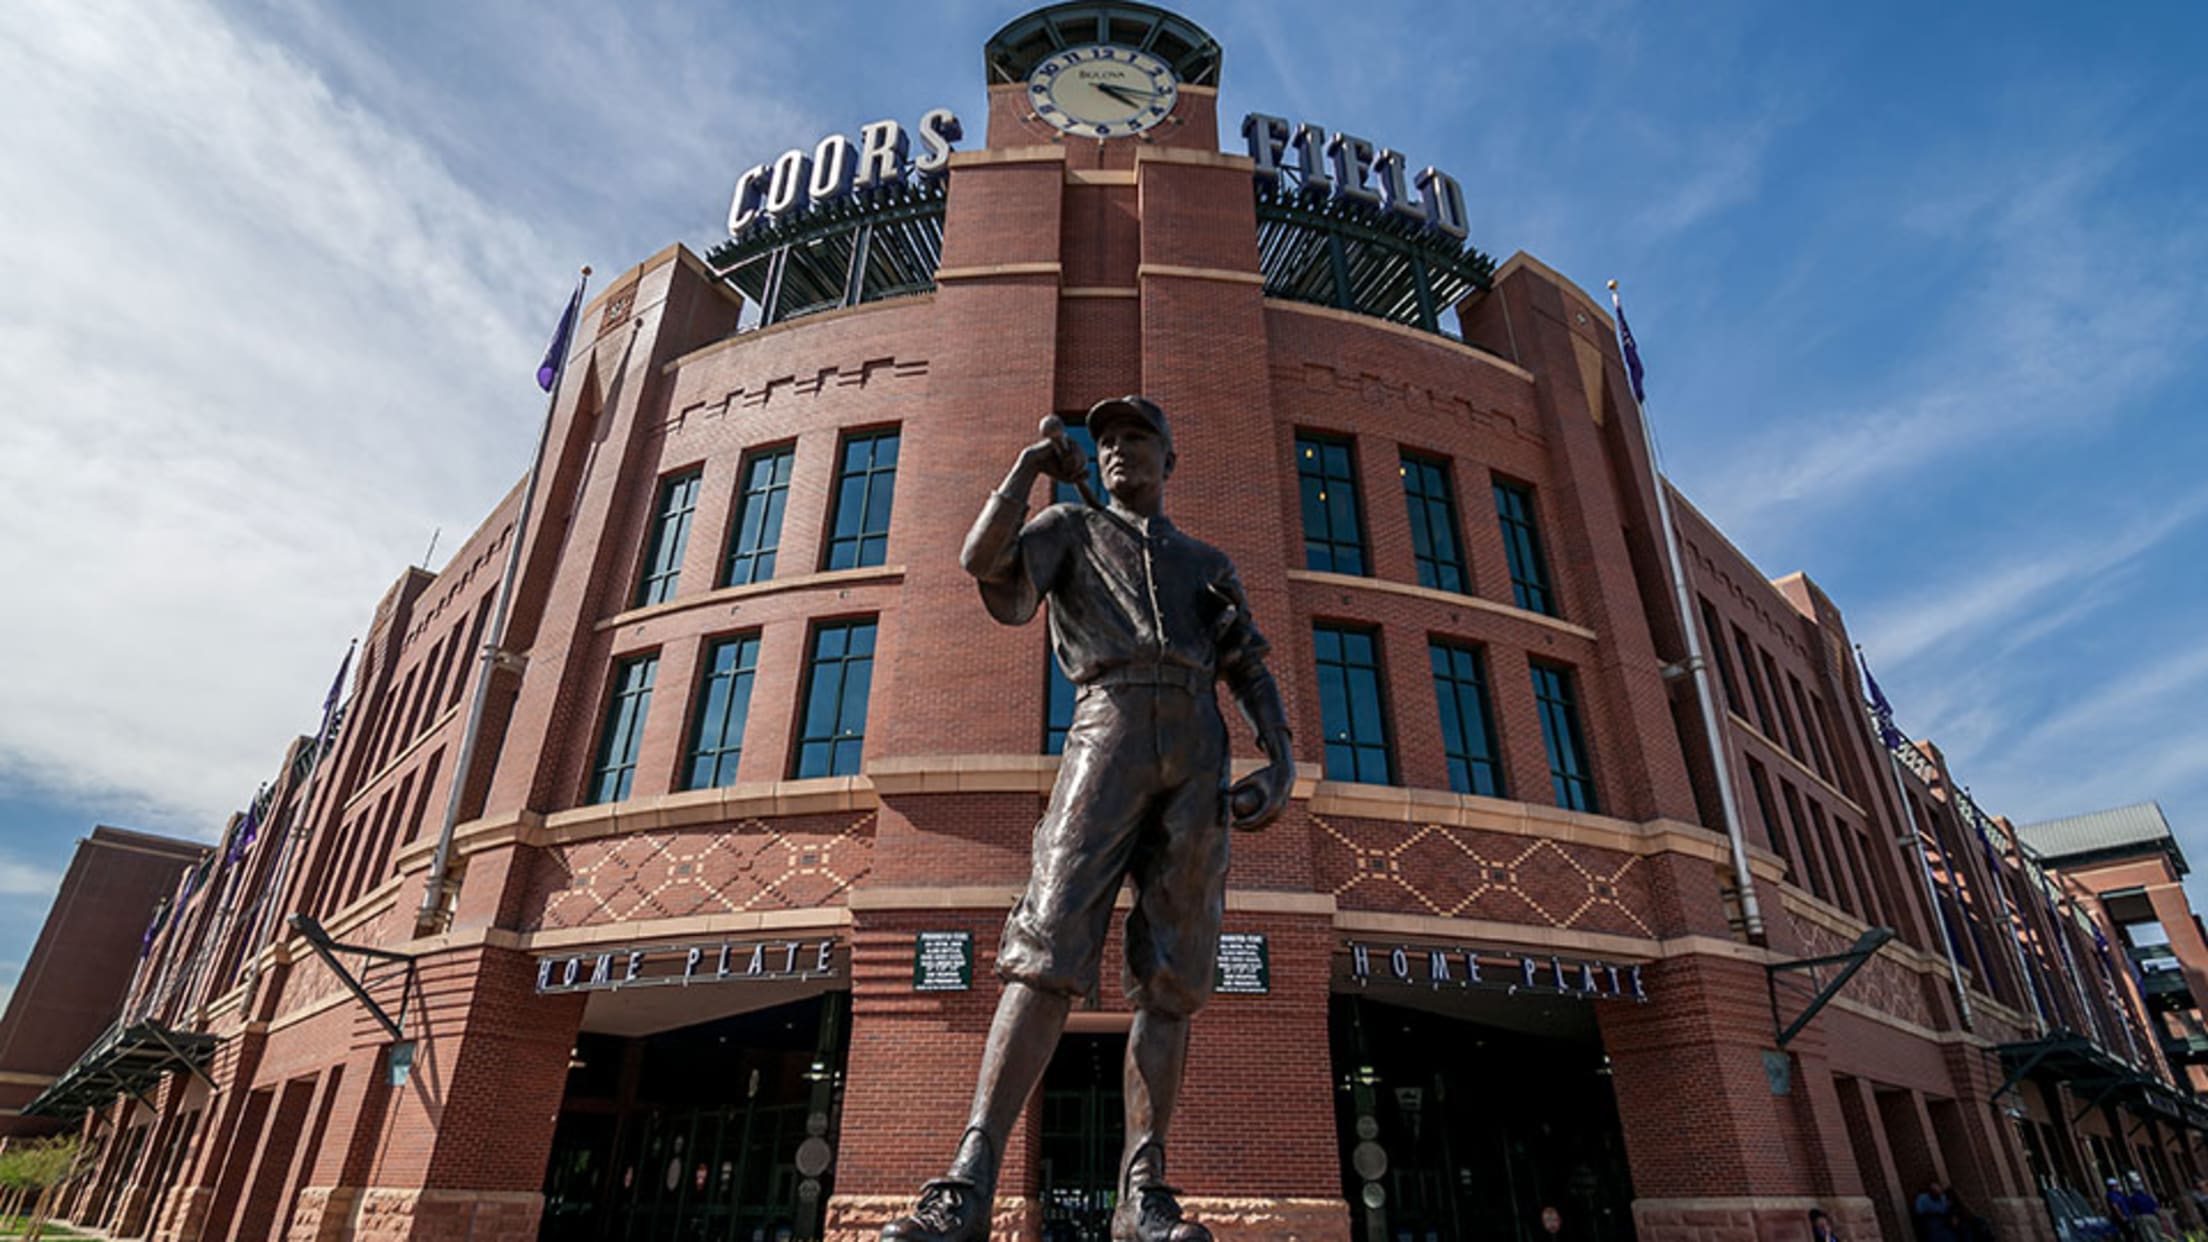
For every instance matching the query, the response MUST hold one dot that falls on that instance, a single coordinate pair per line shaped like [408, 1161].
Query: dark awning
[2096, 1078]
[127, 1060]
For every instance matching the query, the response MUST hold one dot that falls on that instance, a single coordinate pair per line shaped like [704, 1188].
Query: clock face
[1102, 91]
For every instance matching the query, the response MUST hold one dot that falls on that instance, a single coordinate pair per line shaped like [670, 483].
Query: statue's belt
[1196, 681]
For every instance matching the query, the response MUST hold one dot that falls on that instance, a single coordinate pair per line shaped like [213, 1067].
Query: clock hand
[1126, 95]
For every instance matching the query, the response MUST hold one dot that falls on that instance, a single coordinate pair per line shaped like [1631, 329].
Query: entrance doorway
[1084, 1125]
[719, 1132]
[1486, 1119]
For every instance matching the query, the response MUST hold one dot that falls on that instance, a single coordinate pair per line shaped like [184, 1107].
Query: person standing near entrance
[1144, 620]
[1933, 1211]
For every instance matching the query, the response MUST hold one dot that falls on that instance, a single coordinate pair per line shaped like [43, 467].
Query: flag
[1880, 708]
[337, 690]
[242, 839]
[1632, 350]
[153, 928]
[548, 371]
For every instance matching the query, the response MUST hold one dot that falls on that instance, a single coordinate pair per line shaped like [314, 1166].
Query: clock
[1101, 91]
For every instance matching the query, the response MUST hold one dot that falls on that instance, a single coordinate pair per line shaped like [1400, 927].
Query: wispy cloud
[22, 879]
[2016, 592]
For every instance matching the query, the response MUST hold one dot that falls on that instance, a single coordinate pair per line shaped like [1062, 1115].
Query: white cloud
[258, 343]
[22, 879]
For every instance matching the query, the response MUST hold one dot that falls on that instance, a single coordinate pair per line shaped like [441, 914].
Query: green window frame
[1436, 546]
[1571, 775]
[866, 491]
[759, 507]
[839, 674]
[1353, 714]
[724, 706]
[678, 502]
[623, 735]
[1529, 571]
[1467, 720]
[1333, 529]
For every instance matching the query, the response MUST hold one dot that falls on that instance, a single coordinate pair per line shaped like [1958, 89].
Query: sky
[1919, 289]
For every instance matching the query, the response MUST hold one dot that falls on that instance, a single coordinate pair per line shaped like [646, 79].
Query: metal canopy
[2098, 1078]
[127, 1060]
[1356, 259]
[1014, 51]
[883, 243]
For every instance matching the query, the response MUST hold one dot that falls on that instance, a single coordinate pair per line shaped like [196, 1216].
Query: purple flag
[548, 371]
[337, 690]
[242, 840]
[1632, 353]
[1880, 708]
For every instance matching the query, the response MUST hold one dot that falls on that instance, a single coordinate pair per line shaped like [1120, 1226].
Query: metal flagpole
[438, 892]
[2009, 923]
[1751, 915]
[273, 894]
[1886, 733]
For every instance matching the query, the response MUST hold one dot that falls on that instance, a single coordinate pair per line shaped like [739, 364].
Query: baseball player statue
[1143, 619]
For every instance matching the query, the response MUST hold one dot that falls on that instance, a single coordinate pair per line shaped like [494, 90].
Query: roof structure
[2136, 829]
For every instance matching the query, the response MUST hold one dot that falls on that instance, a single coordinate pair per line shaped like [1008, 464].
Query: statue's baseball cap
[1139, 409]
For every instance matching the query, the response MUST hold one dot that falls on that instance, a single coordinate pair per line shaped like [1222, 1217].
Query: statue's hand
[1258, 799]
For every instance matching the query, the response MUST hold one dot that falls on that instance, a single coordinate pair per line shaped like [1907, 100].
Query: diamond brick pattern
[790, 863]
[1468, 873]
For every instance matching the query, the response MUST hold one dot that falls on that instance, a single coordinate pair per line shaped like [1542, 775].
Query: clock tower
[1103, 80]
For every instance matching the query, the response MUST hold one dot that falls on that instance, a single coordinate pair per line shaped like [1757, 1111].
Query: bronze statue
[1143, 620]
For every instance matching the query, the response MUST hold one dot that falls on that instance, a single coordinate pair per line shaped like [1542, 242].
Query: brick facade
[1073, 271]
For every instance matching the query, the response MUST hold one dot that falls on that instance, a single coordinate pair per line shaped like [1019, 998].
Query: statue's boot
[956, 1207]
[1149, 1210]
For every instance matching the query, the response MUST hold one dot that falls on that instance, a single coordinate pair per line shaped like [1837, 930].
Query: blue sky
[1919, 288]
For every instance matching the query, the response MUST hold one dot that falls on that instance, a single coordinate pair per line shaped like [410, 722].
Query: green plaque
[943, 961]
[1245, 964]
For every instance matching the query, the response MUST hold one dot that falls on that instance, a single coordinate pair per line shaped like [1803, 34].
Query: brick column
[1715, 1156]
[461, 1148]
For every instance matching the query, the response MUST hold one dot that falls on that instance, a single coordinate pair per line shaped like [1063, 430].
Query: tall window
[624, 731]
[1747, 650]
[837, 680]
[1434, 542]
[1569, 771]
[866, 482]
[766, 481]
[1064, 493]
[724, 702]
[1333, 534]
[1058, 695]
[1467, 726]
[1351, 714]
[1713, 637]
[1529, 573]
[678, 499]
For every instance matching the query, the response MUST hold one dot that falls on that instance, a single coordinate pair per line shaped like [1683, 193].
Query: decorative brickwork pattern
[1466, 873]
[760, 393]
[1883, 984]
[784, 864]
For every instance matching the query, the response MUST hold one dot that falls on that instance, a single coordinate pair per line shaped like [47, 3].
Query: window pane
[1467, 726]
[1352, 711]
[839, 677]
[724, 704]
[670, 534]
[766, 478]
[1333, 532]
[1569, 772]
[1435, 546]
[1529, 575]
[865, 492]
[623, 731]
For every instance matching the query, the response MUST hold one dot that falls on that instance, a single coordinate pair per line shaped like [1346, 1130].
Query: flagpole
[1978, 823]
[1751, 915]
[1881, 727]
[434, 916]
[273, 893]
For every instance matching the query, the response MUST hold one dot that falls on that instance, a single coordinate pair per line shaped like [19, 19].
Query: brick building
[73, 984]
[709, 953]
[2129, 860]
